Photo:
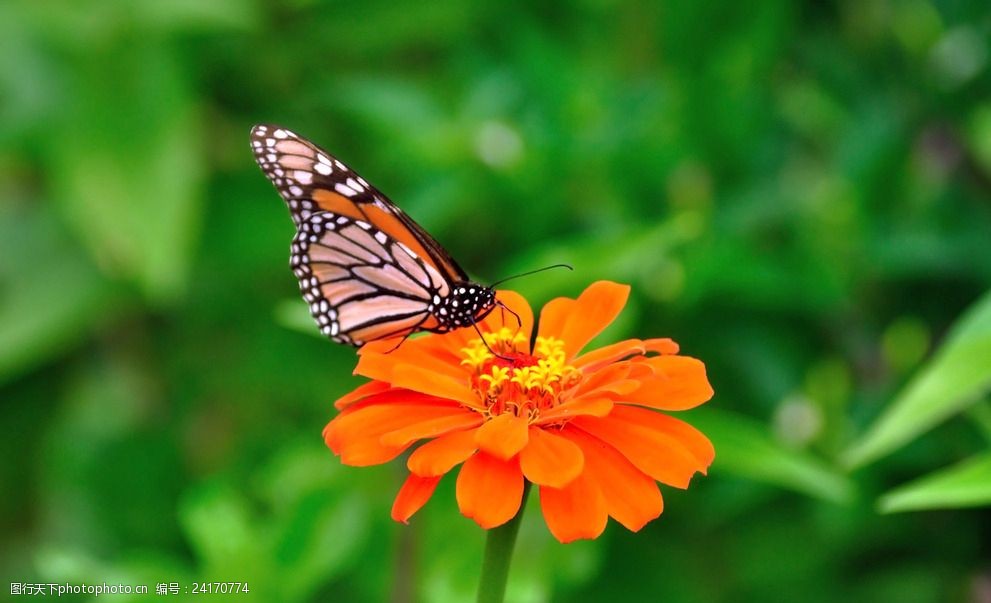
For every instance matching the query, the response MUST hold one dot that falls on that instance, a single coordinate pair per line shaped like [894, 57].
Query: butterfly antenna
[509, 278]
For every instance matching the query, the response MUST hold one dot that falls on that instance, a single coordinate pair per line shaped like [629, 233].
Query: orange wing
[365, 268]
[312, 180]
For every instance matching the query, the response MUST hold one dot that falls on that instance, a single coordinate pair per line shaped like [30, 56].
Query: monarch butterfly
[367, 270]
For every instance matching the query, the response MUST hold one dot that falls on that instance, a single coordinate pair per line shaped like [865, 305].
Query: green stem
[498, 553]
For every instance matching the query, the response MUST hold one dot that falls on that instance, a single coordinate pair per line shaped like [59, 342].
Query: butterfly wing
[367, 270]
[310, 180]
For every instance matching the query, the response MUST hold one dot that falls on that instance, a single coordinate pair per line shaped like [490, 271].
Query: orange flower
[583, 427]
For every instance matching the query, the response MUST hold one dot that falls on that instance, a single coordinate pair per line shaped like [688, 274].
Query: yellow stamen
[515, 381]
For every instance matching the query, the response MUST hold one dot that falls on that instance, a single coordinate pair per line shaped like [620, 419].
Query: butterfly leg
[503, 309]
[486, 344]
[401, 342]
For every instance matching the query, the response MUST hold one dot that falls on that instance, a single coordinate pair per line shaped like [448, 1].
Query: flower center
[518, 382]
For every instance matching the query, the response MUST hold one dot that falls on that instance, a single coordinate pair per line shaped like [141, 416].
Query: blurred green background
[799, 193]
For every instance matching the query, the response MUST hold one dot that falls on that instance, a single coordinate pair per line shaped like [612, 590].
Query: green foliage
[958, 376]
[964, 485]
[745, 449]
[797, 193]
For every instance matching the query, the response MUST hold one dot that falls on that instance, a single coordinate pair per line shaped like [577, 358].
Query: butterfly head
[466, 304]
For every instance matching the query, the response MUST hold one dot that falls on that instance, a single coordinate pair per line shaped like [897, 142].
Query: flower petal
[419, 379]
[601, 357]
[659, 454]
[632, 498]
[592, 312]
[355, 433]
[498, 318]
[502, 436]
[415, 493]
[550, 460]
[612, 378]
[439, 456]
[375, 362]
[489, 490]
[409, 368]
[442, 351]
[677, 383]
[361, 392]
[691, 439]
[432, 427]
[576, 511]
[554, 317]
[661, 345]
[593, 405]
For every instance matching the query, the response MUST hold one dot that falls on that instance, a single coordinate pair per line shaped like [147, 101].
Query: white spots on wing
[351, 182]
[303, 177]
[295, 190]
[381, 237]
[322, 168]
[269, 142]
[345, 190]
[323, 158]
[280, 133]
[340, 165]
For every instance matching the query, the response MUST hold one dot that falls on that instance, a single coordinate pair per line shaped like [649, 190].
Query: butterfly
[366, 269]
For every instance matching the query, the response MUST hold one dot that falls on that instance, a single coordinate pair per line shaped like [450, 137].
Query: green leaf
[967, 484]
[127, 167]
[293, 314]
[48, 303]
[957, 376]
[221, 529]
[744, 447]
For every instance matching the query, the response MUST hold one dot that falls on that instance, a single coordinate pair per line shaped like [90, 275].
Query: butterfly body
[366, 269]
